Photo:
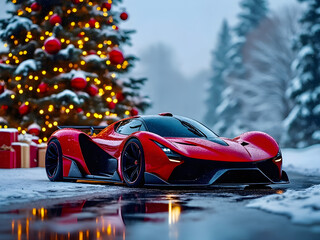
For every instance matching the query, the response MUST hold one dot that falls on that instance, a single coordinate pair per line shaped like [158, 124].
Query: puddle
[95, 218]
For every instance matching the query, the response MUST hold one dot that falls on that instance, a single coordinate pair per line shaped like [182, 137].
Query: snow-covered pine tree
[303, 123]
[220, 64]
[269, 56]
[230, 124]
[63, 65]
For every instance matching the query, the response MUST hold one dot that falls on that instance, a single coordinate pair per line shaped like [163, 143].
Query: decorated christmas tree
[64, 65]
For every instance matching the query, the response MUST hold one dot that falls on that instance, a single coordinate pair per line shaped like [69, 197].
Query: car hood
[219, 149]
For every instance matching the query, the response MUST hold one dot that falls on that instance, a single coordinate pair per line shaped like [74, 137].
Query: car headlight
[172, 156]
[278, 158]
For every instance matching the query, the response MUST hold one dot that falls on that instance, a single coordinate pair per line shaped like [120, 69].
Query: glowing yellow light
[19, 128]
[30, 88]
[109, 99]
[74, 10]
[73, 24]
[43, 129]
[30, 76]
[82, 62]
[71, 106]
[46, 18]
[12, 96]
[41, 111]
[16, 42]
[25, 52]
[108, 87]
[44, 72]
[113, 75]
[5, 45]
[105, 14]
[62, 40]
[112, 94]
[80, 46]
[108, 62]
[88, 114]
[36, 78]
[99, 52]
[86, 39]
[45, 139]
[60, 69]
[56, 86]
[20, 53]
[90, 3]
[114, 27]
[127, 112]
[70, 65]
[119, 66]
[10, 54]
[18, 78]
[46, 33]
[50, 125]
[67, 110]
[20, 91]
[51, 12]
[23, 132]
[55, 123]
[69, 11]
[17, 61]
[100, 45]
[67, 41]
[87, 25]
[42, 38]
[55, 69]
[88, 79]
[84, 53]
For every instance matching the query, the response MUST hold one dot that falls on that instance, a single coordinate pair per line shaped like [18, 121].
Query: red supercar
[163, 150]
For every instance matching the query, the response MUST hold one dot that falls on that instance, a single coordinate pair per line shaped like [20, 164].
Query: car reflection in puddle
[99, 218]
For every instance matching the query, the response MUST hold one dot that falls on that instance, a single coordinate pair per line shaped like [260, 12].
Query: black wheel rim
[52, 158]
[131, 162]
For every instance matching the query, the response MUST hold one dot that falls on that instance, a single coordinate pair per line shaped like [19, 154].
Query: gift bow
[6, 148]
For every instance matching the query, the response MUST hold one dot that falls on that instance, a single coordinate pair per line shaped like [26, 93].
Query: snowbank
[23, 185]
[305, 161]
[303, 207]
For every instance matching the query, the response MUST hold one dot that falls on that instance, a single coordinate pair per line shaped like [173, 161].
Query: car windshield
[177, 127]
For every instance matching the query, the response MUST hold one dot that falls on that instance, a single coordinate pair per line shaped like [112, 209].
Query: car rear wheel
[54, 161]
[132, 163]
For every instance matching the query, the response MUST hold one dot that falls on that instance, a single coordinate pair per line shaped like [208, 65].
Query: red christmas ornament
[92, 52]
[92, 22]
[54, 19]
[106, 6]
[1, 88]
[116, 28]
[81, 34]
[78, 83]
[52, 45]
[34, 129]
[120, 96]
[134, 112]
[75, 1]
[24, 109]
[79, 110]
[43, 87]
[124, 16]
[93, 90]
[4, 107]
[116, 57]
[111, 105]
[35, 7]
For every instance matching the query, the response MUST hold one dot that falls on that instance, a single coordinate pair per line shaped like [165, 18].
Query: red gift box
[33, 155]
[22, 154]
[8, 136]
[7, 157]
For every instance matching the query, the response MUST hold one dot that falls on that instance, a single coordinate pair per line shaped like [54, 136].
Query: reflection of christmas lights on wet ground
[92, 219]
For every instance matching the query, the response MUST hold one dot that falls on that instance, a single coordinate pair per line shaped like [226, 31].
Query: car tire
[132, 163]
[53, 163]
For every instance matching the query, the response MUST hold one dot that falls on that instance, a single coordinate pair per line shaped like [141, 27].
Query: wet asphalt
[157, 213]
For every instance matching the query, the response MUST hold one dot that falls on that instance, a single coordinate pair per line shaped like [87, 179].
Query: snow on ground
[23, 185]
[303, 206]
[305, 161]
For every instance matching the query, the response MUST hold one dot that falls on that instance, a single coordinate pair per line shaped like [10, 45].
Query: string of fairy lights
[36, 84]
